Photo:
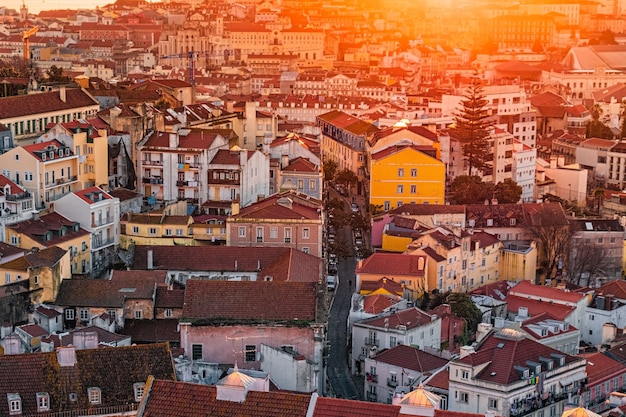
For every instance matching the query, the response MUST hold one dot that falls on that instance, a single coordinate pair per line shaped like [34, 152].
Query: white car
[354, 208]
[331, 282]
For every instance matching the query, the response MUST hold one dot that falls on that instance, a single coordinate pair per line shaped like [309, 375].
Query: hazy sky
[35, 6]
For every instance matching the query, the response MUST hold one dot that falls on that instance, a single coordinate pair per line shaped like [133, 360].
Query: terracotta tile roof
[427, 209]
[301, 164]
[439, 380]
[113, 370]
[275, 207]
[544, 321]
[124, 194]
[36, 229]
[152, 331]
[156, 218]
[616, 287]
[104, 337]
[387, 284]
[336, 407]
[30, 104]
[392, 265]
[47, 257]
[13, 187]
[497, 290]
[7, 250]
[601, 367]
[80, 292]
[183, 399]
[33, 330]
[47, 311]
[448, 413]
[409, 357]
[376, 304]
[166, 298]
[428, 150]
[559, 311]
[349, 123]
[87, 195]
[597, 225]
[36, 150]
[525, 288]
[501, 351]
[282, 264]
[193, 140]
[228, 157]
[250, 300]
[411, 318]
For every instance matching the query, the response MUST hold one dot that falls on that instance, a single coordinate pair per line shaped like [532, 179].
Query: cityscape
[313, 209]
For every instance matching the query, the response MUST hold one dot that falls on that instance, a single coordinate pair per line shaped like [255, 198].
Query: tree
[550, 228]
[461, 305]
[55, 74]
[330, 169]
[507, 191]
[471, 126]
[585, 261]
[598, 195]
[623, 124]
[346, 177]
[467, 189]
[595, 128]
[537, 46]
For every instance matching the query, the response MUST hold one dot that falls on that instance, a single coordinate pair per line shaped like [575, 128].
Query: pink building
[288, 219]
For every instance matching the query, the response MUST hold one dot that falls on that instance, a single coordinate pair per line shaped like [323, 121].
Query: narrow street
[339, 376]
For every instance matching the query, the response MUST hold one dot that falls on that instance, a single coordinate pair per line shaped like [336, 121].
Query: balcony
[152, 180]
[18, 197]
[371, 378]
[392, 382]
[534, 403]
[102, 221]
[371, 341]
[371, 396]
[100, 243]
[186, 183]
[61, 181]
[149, 162]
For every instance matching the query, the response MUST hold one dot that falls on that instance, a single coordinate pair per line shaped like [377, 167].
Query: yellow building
[48, 169]
[54, 230]
[42, 269]
[403, 174]
[155, 229]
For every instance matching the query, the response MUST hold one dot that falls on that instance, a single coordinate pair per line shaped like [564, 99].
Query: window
[95, 395]
[36, 279]
[15, 240]
[287, 234]
[465, 374]
[273, 232]
[83, 314]
[312, 185]
[250, 353]
[84, 246]
[301, 185]
[138, 314]
[179, 232]
[305, 249]
[400, 189]
[69, 314]
[7, 277]
[135, 229]
[43, 401]
[387, 205]
[168, 232]
[305, 233]
[138, 389]
[196, 352]
[400, 172]
[259, 235]
[414, 172]
[493, 403]
[15, 404]
[241, 231]
[463, 397]
[153, 231]
[168, 312]
[413, 189]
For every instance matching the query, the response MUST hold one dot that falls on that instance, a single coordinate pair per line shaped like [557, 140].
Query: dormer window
[67, 151]
[138, 389]
[51, 154]
[43, 401]
[15, 404]
[95, 395]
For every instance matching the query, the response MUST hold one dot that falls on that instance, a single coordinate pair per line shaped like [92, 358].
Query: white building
[406, 327]
[16, 204]
[99, 213]
[511, 375]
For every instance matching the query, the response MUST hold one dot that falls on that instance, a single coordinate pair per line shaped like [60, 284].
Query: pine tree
[471, 126]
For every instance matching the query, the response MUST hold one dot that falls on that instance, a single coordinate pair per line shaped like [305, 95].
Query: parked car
[354, 208]
[331, 282]
[358, 241]
[332, 268]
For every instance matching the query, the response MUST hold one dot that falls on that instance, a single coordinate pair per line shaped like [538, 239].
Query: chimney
[243, 157]
[62, 94]
[466, 351]
[553, 162]
[284, 161]
[173, 140]
[234, 208]
[149, 259]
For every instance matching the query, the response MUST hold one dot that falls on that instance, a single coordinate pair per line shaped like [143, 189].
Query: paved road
[338, 373]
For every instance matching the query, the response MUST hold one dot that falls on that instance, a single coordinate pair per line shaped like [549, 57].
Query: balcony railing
[99, 243]
[371, 396]
[152, 162]
[529, 405]
[152, 180]
[392, 382]
[61, 181]
[102, 222]
[20, 196]
[371, 341]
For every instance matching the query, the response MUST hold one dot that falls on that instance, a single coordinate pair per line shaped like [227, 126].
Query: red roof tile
[409, 357]
[250, 300]
[600, 367]
[24, 105]
[559, 311]
[376, 304]
[411, 318]
[335, 407]
[13, 187]
[391, 265]
[87, 195]
[526, 288]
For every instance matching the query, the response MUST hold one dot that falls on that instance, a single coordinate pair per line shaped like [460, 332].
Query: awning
[569, 380]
